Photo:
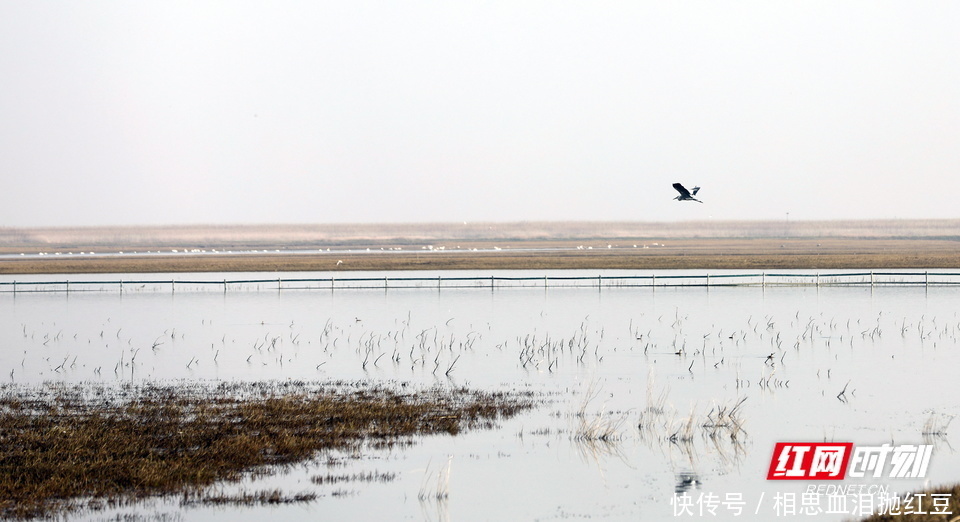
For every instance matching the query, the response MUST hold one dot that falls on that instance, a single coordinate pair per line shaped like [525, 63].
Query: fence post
[224, 286]
[653, 280]
[708, 279]
[818, 279]
[173, 286]
[763, 279]
[68, 286]
[871, 279]
[14, 287]
[926, 279]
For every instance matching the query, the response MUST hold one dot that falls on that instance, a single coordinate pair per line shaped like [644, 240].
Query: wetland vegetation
[69, 446]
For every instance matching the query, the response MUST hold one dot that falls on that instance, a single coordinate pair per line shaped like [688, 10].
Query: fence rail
[762, 279]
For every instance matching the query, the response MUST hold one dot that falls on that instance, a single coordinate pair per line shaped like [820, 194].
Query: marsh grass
[441, 491]
[372, 476]
[246, 498]
[602, 426]
[720, 429]
[64, 447]
[936, 424]
[597, 435]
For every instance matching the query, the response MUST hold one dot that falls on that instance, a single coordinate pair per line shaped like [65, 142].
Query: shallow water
[789, 351]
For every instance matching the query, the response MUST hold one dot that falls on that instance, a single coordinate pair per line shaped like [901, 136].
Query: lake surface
[837, 364]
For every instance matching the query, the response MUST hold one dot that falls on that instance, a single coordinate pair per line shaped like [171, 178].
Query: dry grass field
[689, 245]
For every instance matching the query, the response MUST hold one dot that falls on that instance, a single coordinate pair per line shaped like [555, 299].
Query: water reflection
[687, 481]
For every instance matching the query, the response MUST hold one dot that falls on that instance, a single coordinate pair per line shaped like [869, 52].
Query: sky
[233, 112]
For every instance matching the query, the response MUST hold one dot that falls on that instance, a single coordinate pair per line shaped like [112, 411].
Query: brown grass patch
[66, 446]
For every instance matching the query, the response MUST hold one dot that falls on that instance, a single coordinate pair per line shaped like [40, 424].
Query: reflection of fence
[762, 279]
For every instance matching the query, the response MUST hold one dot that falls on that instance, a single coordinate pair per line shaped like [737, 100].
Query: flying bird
[686, 195]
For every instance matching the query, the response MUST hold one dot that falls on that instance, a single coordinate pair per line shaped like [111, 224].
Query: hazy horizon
[180, 113]
[290, 234]
[948, 223]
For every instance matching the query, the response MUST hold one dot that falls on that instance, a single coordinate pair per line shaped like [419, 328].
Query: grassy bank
[67, 447]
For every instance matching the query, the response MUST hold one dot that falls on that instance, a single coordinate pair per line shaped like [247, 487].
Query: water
[858, 364]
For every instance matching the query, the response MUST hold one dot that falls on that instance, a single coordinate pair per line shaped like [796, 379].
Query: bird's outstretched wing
[694, 191]
[682, 190]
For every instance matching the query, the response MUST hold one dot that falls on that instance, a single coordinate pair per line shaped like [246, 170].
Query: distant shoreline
[485, 246]
[595, 254]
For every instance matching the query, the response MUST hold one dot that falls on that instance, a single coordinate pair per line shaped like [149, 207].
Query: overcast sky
[391, 111]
